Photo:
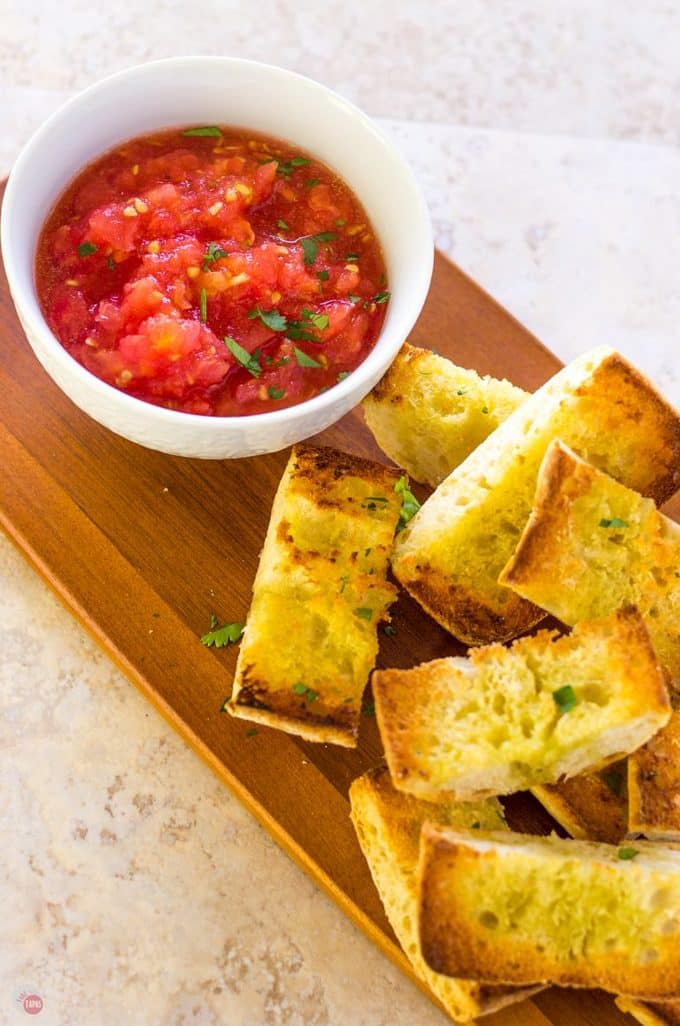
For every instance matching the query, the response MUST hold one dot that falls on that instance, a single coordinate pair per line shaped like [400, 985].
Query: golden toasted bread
[428, 415]
[388, 826]
[589, 545]
[320, 592]
[451, 553]
[591, 806]
[506, 719]
[512, 908]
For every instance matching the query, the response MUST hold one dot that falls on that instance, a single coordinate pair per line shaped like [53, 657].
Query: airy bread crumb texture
[450, 555]
[427, 414]
[512, 908]
[589, 545]
[506, 719]
[320, 593]
[388, 826]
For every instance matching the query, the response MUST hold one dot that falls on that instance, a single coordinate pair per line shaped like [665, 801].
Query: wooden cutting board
[142, 547]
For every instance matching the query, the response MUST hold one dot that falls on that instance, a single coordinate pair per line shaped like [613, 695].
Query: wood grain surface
[142, 547]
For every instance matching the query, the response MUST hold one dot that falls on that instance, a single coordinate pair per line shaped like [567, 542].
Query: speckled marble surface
[133, 887]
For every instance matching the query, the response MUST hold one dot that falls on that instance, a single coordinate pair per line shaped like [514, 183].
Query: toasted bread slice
[661, 1014]
[388, 826]
[506, 719]
[451, 553]
[591, 544]
[511, 908]
[428, 415]
[591, 806]
[320, 592]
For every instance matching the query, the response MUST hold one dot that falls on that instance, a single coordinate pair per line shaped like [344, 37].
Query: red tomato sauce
[212, 271]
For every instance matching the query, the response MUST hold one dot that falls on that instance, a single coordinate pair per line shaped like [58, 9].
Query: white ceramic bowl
[217, 90]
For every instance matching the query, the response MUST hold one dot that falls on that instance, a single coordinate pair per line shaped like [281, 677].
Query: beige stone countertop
[134, 888]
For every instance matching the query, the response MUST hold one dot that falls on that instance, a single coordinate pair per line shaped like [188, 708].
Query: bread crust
[319, 595]
[653, 785]
[590, 806]
[471, 923]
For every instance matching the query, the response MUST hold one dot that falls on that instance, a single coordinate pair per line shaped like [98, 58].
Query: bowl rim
[109, 393]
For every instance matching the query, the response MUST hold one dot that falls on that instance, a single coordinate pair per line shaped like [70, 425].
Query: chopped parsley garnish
[251, 361]
[409, 503]
[626, 854]
[323, 275]
[485, 409]
[307, 693]
[351, 257]
[390, 629]
[354, 299]
[213, 253]
[614, 522]
[111, 263]
[204, 132]
[203, 301]
[271, 318]
[310, 246]
[340, 221]
[304, 360]
[282, 224]
[382, 297]
[86, 249]
[364, 613]
[309, 251]
[344, 581]
[461, 391]
[565, 698]
[310, 183]
[345, 374]
[251, 732]
[613, 780]
[299, 330]
[275, 393]
[220, 637]
[286, 168]
[369, 709]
